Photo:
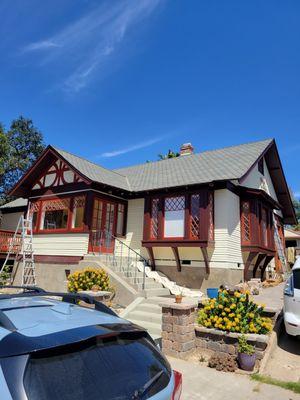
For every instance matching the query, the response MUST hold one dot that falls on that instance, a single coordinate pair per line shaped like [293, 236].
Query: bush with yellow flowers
[234, 312]
[87, 278]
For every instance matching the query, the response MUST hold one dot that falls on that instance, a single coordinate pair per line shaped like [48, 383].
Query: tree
[170, 154]
[22, 145]
[296, 204]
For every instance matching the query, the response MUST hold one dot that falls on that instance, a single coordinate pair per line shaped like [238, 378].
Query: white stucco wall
[73, 244]
[227, 252]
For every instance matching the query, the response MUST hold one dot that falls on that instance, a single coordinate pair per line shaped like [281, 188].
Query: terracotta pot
[178, 298]
[246, 361]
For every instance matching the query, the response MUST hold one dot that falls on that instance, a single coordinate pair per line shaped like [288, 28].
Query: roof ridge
[91, 162]
[195, 154]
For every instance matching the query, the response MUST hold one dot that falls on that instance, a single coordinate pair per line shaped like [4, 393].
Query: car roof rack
[35, 291]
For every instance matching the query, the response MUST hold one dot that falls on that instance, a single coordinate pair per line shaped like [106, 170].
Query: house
[292, 244]
[201, 219]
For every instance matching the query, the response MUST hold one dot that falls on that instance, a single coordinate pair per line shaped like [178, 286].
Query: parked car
[291, 306]
[56, 349]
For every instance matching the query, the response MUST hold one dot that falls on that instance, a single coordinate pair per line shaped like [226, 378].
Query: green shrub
[88, 278]
[244, 347]
[234, 313]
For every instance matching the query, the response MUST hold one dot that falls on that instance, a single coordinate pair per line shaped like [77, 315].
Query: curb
[272, 342]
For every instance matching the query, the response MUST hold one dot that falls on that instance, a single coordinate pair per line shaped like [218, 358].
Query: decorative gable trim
[57, 175]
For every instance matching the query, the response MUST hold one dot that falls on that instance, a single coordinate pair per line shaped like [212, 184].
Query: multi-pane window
[78, 212]
[33, 213]
[180, 217]
[97, 215]
[55, 214]
[195, 216]
[211, 234]
[264, 226]
[120, 220]
[174, 216]
[154, 219]
[246, 234]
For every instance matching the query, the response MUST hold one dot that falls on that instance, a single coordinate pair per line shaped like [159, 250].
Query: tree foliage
[296, 204]
[170, 154]
[20, 146]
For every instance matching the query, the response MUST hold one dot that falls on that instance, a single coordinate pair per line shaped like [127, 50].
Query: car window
[99, 369]
[296, 276]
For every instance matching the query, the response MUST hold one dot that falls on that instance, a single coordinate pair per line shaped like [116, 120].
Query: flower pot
[246, 361]
[178, 298]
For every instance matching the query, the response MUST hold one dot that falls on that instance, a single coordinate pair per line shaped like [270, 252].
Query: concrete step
[148, 307]
[156, 292]
[148, 285]
[152, 328]
[145, 317]
[155, 300]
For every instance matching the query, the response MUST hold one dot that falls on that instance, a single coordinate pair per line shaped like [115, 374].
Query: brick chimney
[186, 149]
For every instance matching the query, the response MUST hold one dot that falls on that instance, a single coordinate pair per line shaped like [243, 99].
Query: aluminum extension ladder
[280, 248]
[25, 253]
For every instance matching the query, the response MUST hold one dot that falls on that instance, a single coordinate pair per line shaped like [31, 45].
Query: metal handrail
[108, 236]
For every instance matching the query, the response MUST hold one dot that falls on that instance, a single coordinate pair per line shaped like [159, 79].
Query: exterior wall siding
[9, 221]
[258, 181]
[61, 244]
[227, 252]
[134, 230]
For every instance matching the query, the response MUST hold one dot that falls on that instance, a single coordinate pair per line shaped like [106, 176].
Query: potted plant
[178, 297]
[246, 354]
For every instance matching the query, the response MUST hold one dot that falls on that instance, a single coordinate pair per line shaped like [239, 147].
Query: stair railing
[120, 255]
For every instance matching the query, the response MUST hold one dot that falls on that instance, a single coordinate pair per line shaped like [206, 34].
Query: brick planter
[178, 327]
[227, 342]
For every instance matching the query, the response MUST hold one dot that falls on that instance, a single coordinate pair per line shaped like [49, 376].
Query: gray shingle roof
[95, 172]
[20, 202]
[229, 163]
[224, 164]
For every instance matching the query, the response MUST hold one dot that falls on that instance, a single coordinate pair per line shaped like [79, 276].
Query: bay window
[184, 217]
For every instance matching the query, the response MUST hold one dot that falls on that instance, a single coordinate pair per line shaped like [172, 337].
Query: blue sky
[118, 82]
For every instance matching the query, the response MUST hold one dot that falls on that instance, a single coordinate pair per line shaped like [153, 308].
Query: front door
[103, 227]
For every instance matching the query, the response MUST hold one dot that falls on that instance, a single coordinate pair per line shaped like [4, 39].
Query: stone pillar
[178, 327]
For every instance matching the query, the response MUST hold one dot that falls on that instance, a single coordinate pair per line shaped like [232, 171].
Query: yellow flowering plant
[234, 312]
[87, 278]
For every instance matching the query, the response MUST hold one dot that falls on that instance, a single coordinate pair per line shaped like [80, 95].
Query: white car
[291, 306]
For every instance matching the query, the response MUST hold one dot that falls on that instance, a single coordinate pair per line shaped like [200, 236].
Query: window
[78, 212]
[264, 226]
[195, 215]
[55, 214]
[261, 168]
[33, 213]
[296, 278]
[97, 215]
[125, 365]
[154, 219]
[246, 233]
[174, 216]
[120, 221]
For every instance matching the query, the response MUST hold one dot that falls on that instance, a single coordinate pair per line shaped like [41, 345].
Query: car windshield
[102, 369]
[296, 278]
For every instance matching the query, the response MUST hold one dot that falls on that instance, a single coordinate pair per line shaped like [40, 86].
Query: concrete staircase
[147, 313]
[131, 274]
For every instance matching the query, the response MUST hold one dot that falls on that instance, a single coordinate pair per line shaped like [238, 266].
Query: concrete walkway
[203, 383]
[272, 297]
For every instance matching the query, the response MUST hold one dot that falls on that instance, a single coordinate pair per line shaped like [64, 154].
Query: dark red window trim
[206, 217]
